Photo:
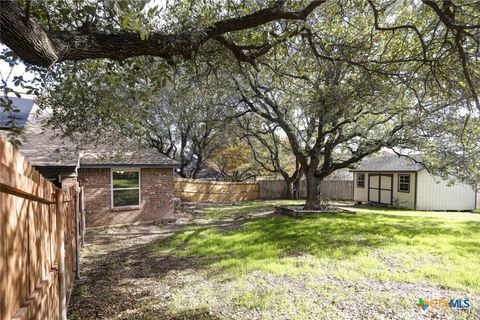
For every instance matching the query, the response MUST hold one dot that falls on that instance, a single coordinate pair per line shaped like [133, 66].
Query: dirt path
[120, 273]
[115, 262]
[123, 279]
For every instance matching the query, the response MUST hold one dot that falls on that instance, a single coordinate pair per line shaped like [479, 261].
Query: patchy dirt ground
[122, 278]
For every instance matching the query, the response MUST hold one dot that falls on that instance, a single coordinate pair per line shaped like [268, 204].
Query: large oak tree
[436, 32]
[333, 119]
[348, 63]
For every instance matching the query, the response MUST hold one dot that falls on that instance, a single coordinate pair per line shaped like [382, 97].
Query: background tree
[449, 144]
[352, 83]
[234, 162]
[178, 110]
[270, 149]
[187, 122]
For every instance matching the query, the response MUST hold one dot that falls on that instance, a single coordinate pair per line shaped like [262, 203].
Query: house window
[360, 180]
[403, 183]
[125, 188]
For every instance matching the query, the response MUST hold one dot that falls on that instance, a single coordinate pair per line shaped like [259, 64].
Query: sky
[18, 70]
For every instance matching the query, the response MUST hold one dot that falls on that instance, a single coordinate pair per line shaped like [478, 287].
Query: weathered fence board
[332, 189]
[29, 252]
[220, 191]
[215, 191]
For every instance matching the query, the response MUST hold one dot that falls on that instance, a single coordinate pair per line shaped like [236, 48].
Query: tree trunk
[296, 187]
[198, 167]
[289, 183]
[313, 191]
[289, 190]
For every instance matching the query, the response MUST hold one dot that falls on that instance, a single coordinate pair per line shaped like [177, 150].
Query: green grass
[374, 244]
[325, 266]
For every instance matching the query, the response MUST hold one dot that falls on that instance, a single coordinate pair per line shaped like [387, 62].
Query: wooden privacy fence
[219, 191]
[215, 191]
[332, 189]
[38, 242]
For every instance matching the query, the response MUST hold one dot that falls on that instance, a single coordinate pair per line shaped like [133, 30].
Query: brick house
[130, 187]
[124, 182]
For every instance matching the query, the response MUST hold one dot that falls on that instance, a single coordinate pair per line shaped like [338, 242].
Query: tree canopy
[401, 35]
[328, 82]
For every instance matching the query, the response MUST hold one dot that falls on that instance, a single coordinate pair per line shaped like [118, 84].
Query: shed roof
[46, 147]
[390, 163]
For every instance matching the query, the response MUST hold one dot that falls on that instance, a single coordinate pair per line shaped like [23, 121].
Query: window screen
[125, 188]
[404, 183]
[361, 180]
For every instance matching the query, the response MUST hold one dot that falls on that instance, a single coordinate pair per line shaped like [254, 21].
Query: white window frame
[139, 187]
[404, 183]
[358, 180]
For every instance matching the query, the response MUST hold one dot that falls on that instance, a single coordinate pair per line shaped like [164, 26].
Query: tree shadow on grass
[332, 235]
[116, 280]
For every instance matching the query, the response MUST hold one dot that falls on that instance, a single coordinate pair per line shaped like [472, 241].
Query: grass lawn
[373, 264]
[389, 245]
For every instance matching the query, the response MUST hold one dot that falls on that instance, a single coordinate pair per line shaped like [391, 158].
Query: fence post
[77, 233]
[62, 288]
[82, 215]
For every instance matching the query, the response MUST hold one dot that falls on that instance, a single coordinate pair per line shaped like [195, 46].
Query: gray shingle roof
[46, 147]
[390, 163]
[127, 154]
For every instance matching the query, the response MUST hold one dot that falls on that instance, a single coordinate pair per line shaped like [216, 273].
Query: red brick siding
[156, 189]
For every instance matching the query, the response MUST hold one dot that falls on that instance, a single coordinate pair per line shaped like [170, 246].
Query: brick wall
[156, 197]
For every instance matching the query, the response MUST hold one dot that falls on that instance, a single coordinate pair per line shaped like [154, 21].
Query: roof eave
[396, 170]
[123, 165]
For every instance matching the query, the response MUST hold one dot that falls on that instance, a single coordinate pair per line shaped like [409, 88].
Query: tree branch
[35, 45]
[28, 7]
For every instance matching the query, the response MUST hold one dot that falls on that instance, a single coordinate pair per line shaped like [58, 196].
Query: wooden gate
[38, 241]
[380, 188]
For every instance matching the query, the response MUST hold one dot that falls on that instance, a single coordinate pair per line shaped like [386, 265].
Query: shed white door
[373, 188]
[380, 188]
